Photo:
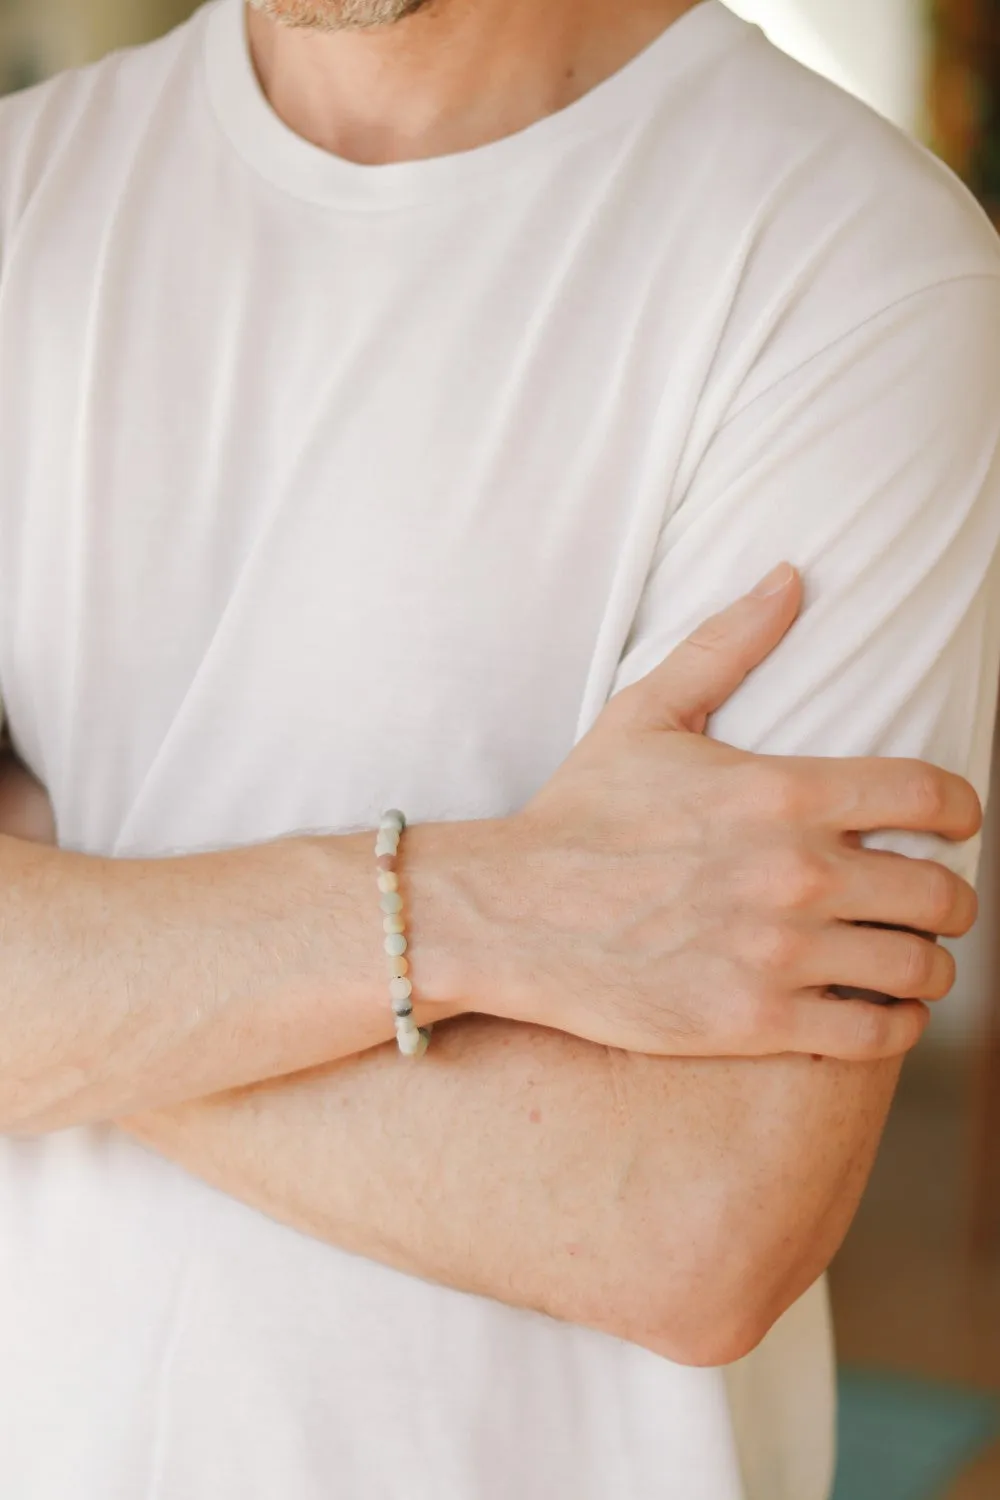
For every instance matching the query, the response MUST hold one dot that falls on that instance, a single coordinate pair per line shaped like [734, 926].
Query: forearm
[128, 985]
[679, 1204]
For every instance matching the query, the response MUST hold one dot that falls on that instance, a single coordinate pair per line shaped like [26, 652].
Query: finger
[852, 1030]
[871, 795]
[899, 892]
[706, 669]
[25, 809]
[900, 964]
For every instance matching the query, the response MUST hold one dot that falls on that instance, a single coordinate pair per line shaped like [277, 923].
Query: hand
[668, 894]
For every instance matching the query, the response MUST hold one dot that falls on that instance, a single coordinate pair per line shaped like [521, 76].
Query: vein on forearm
[541, 1171]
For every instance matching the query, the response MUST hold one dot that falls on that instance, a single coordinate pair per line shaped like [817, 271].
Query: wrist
[467, 907]
[343, 916]
[447, 875]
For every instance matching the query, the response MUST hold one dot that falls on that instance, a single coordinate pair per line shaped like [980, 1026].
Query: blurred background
[917, 1288]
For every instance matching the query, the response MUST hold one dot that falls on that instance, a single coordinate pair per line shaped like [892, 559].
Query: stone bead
[402, 1009]
[423, 1042]
[386, 862]
[400, 989]
[412, 1043]
[393, 819]
[392, 903]
[395, 945]
[393, 924]
[388, 882]
[399, 967]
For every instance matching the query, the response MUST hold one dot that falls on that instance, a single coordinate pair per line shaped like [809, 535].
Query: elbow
[708, 1330]
[721, 1337]
[714, 1301]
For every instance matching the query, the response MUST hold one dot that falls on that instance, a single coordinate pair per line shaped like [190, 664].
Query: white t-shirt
[324, 487]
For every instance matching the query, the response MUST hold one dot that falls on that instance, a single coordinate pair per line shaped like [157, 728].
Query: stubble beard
[337, 15]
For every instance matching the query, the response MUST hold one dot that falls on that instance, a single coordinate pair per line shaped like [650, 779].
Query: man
[387, 387]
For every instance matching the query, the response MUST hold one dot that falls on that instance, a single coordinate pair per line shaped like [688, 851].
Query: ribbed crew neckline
[307, 172]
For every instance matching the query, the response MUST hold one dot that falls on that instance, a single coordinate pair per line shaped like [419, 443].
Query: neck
[454, 75]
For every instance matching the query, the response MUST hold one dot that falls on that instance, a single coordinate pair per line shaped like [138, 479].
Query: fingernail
[776, 582]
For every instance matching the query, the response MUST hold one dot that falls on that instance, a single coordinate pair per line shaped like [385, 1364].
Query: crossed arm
[682, 1204]
[679, 1204]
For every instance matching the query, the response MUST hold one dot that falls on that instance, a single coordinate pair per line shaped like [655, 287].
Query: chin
[337, 15]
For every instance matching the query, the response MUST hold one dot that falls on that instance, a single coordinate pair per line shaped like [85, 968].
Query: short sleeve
[874, 466]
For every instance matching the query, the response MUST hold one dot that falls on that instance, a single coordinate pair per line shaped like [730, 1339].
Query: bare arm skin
[140, 984]
[664, 894]
[682, 1205]
[700, 1197]
[552, 1098]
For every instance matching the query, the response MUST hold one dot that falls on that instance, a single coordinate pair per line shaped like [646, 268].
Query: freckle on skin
[535, 1117]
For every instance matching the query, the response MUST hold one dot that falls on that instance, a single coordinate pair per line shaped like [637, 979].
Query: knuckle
[754, 1018]
[799, 880]
[711, 635]
[968, 909]
[870, 1027]
[927, 795]
[945, 973]
[942, 897]
[969, 810]
[771, 790]
[774, 948]
[918, 962]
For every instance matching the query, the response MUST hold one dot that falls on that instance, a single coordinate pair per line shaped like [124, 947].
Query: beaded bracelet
[413, 1040]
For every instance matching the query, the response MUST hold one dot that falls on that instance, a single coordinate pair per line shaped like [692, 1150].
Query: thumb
[710, 665]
